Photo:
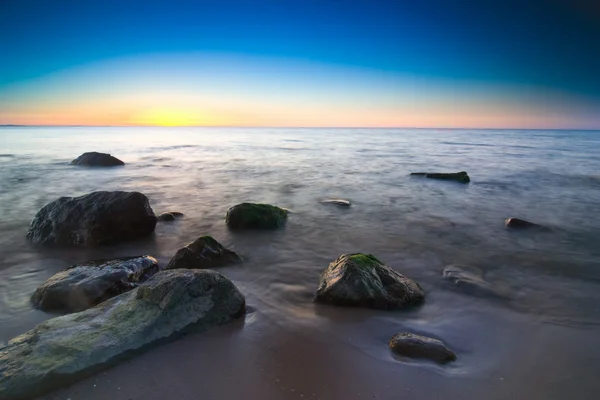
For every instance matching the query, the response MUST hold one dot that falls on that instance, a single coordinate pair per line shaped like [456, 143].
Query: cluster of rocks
[115, 306]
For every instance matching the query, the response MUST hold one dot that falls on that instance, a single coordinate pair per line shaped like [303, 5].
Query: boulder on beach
[169, 216]
[255, 216]
[337, 202]
[65, 348]
[204, 253]
[361, 280]
[415, 346]
[95, 219]
[461, 177]
[95, 159]
[85, 285]
[470, 280]
[519, 223]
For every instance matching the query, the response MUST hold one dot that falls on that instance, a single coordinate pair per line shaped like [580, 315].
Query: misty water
[539, 342]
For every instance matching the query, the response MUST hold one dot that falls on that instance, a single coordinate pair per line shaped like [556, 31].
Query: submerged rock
[416, 346]
[95, 159]
[461, 177]
[204, 253]
[255, 216]
[364, 281]
[62, 349]
[471, 281]
[519, 223]
[169, 216]
[94, 219]
[85, 285]
[337, 202]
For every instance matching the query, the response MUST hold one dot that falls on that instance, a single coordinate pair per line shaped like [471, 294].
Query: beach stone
[65, 348]
[169, 216]
[519, 223]
[97, 218]
[415, 346]
[95, 159]
[461, 177]
[85, 285]
[204, 253]
[255, 216]
[337, 202]
[361, 280]
[470, 280]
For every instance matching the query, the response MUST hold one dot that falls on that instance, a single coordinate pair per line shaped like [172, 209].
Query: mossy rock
[255, 216]
[203, 253]
[361, 280]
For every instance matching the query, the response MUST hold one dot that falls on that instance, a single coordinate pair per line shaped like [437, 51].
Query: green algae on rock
[361, 280]
[255, 216]
[204, 253]
[62, 349]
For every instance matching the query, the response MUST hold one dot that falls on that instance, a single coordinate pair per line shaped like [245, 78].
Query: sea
[539, 340]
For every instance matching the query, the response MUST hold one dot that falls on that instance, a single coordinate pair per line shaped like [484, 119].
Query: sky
[347, 63]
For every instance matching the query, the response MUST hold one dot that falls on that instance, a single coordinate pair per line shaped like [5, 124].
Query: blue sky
[517, 51]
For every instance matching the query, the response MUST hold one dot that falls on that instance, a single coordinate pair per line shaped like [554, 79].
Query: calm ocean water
[415, 225]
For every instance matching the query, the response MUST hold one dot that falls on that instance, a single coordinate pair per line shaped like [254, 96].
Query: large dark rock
[94, 219]
[470, 280]
[255, 216]
[520, 223]
[95, 159]
[416, 346]
[461, 177]
[62, 349]
[362, 280]
[85, 285]
[204, 253]
[169, 216]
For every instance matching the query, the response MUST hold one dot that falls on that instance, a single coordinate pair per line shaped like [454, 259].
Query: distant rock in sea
[337, 202]
[361, 280]
[95, 159]
[94, 219]
[416, 346]
[85, 285]
[169, 216]
[520, 223]
[461, 177]
[204, 253]
[255, 216]
[61, 350]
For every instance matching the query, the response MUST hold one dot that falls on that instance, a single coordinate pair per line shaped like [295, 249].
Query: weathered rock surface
[364, 281]
[169, 216]
[204, 253]
[95, 159]
[337, 202]
[470, 280]
[415, 346]
[255, 216]
[461, 177]
[520, 223]
[62, 349]
[95, 219]
[85, 285]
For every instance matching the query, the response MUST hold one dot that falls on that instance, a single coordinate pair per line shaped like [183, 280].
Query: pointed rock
[204, 253]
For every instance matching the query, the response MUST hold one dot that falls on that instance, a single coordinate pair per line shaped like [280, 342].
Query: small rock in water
[461, 177]
[169, 216]
[85, 285]
[361, 280]
[204, 253]
[337, 202]
[255, 216]
[471, 281]
[416, 346]
[519, 223]
[95, 159]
